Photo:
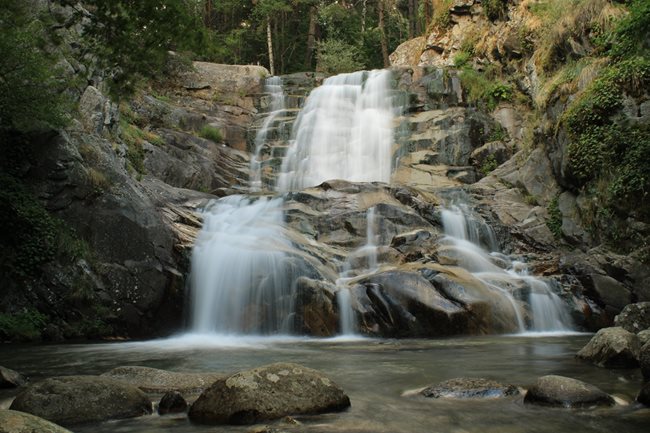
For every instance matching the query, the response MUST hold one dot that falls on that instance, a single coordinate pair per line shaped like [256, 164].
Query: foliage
[461, 59]
[631, 34]
[132, 38]
[498, 133]
[554, 222]
[489, 164]
[483, 89]
[211, 133]
[335, 57]
[494, 9]
[25, 325]
[31, 97]
[441, 14]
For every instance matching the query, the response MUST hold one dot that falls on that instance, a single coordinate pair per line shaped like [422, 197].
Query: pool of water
[376, 374]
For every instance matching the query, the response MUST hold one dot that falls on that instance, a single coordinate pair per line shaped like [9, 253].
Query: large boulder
[405, 304]
[172, 402]
[12, 421]
[466, 387]
[10, 378]
[634, 317]
[78, 399]
[268, 392]
[566, 392]
[161, 381]
[612, 348]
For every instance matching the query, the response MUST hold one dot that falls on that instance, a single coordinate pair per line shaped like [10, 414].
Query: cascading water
[499, 273]
[345, 131]
[240, 279]
[272, 86]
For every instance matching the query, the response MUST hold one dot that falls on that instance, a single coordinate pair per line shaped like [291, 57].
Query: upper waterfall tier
[345, 131]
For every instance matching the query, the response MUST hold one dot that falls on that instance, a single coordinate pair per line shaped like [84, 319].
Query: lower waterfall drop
[241, 279]
[466, 236]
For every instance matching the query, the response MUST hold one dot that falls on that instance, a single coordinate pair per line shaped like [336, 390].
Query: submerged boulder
[467, 387]
[634, 317]
[566, 392]
[12, 421]
[268, 392]
[77, 399]
[612, 348]
[172, 402]
[161, 381]
[10, 378]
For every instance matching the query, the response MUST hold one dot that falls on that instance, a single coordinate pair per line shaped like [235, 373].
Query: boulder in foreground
[566, 392]
[468, 387]
[12, 421]
[69, 400]
[268, 392]
[10, 378]
[162, 381]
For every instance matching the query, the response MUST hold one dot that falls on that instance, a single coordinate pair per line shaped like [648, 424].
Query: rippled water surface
[374, 373]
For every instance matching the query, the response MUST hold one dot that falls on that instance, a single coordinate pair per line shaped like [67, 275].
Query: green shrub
[336, 57]
[461, 59]
[23, 326]
[554, 222]
[489, 164]
[494, 9]
[498, 133]
[211, 133]
[483, 90]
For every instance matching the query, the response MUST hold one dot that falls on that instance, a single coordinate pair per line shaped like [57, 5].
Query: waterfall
[241, 282]
[345, 131]
[272, 86]
[468, 237]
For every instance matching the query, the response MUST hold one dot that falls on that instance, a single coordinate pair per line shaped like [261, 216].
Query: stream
[375, 373]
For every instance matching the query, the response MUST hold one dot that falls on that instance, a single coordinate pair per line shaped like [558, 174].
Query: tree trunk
[269, 41]
[364, 11]
[382, 33]
[207, 14]
[311, 37]
[413, 10]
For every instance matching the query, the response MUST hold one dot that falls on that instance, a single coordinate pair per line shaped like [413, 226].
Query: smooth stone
[172, 402]
[71, 400]
[468, 387]
[566, 392]
[268, 392]
[12, 421]
[634, 317]
[155, 380]
[10, 378]
[612, 348]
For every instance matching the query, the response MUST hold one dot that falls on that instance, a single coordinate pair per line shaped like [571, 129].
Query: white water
[272, 86]
[241, 282]
[548, 312]
[345, 131]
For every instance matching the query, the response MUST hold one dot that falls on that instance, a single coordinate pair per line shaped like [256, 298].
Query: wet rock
[404, 304]
[172, 402]
[268, 392]
[78, 399]
[161, 381]
[634, 317]
[611, 292]
[612, 348]
[498, 151]
[466, 388]
[314, 308]
[12, 421]
[566, 392]
[644, 395]
[644, 361]
[10, 378]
